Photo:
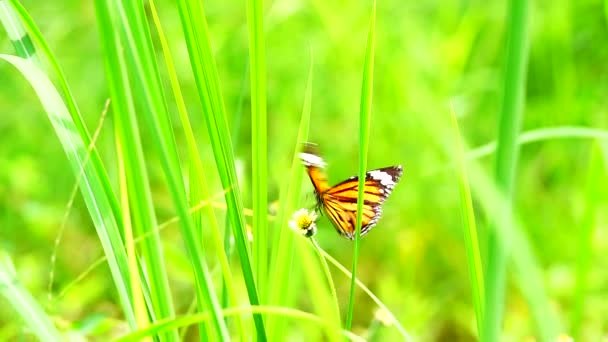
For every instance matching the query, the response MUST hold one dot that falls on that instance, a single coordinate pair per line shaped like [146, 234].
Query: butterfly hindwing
[343, 198]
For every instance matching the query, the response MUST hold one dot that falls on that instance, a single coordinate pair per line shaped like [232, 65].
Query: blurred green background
[428, 54]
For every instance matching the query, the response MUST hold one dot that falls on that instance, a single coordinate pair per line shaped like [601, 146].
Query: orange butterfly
[340, 201]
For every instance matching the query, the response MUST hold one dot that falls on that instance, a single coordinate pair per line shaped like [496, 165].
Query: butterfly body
[340, 201]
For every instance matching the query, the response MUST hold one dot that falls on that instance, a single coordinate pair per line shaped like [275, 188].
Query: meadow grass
[507, 154]
[179, 151]
[365, 114]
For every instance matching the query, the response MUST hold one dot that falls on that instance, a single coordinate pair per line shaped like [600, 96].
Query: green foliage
[365, 114]
[175, 159]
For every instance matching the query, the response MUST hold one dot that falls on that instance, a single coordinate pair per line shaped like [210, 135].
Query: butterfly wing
[314, 167]
[340, 201]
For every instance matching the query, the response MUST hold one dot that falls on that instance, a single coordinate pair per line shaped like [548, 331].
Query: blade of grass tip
[198, 184]
[506, 158]
[281, 260]
[194, 25]
[471, 242]
[364, 124]
[594, 192]
[21, 40]
[141, 314]
[259, 154]
[22, 301]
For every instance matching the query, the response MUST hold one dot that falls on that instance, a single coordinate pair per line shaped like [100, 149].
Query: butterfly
[340, 201]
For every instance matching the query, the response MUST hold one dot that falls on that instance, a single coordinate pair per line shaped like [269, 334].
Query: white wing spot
[310, 159]
[384, 178]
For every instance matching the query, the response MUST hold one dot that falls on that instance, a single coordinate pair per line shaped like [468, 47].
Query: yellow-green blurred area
[428, 54]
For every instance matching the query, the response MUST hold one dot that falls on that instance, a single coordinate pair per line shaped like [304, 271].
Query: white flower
[383, 317]
[303, 222]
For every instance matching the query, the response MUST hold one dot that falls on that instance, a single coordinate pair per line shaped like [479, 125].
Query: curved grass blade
[529, 137]
[90, 183]
[69, 126]
[72, 108]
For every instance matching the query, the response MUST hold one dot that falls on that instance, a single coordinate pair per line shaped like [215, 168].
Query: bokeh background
[428, 54]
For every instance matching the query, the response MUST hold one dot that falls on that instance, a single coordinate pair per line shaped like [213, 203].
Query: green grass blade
[594, 192]
[374, 298]
[196, 33]
[22, 301]
[259, 137]
[471, 242]
[199, 191]
[527, 270]
[142, 71]
[542, 134]
[282, 258]
[506, 158]
[510, 232]
[139, 306]
[364, 124]
[69, 126]
[320, 283]
[140, 198]
[527, 138]
[91, 181]
[332, 312]
[106, 193]
[236, 120]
